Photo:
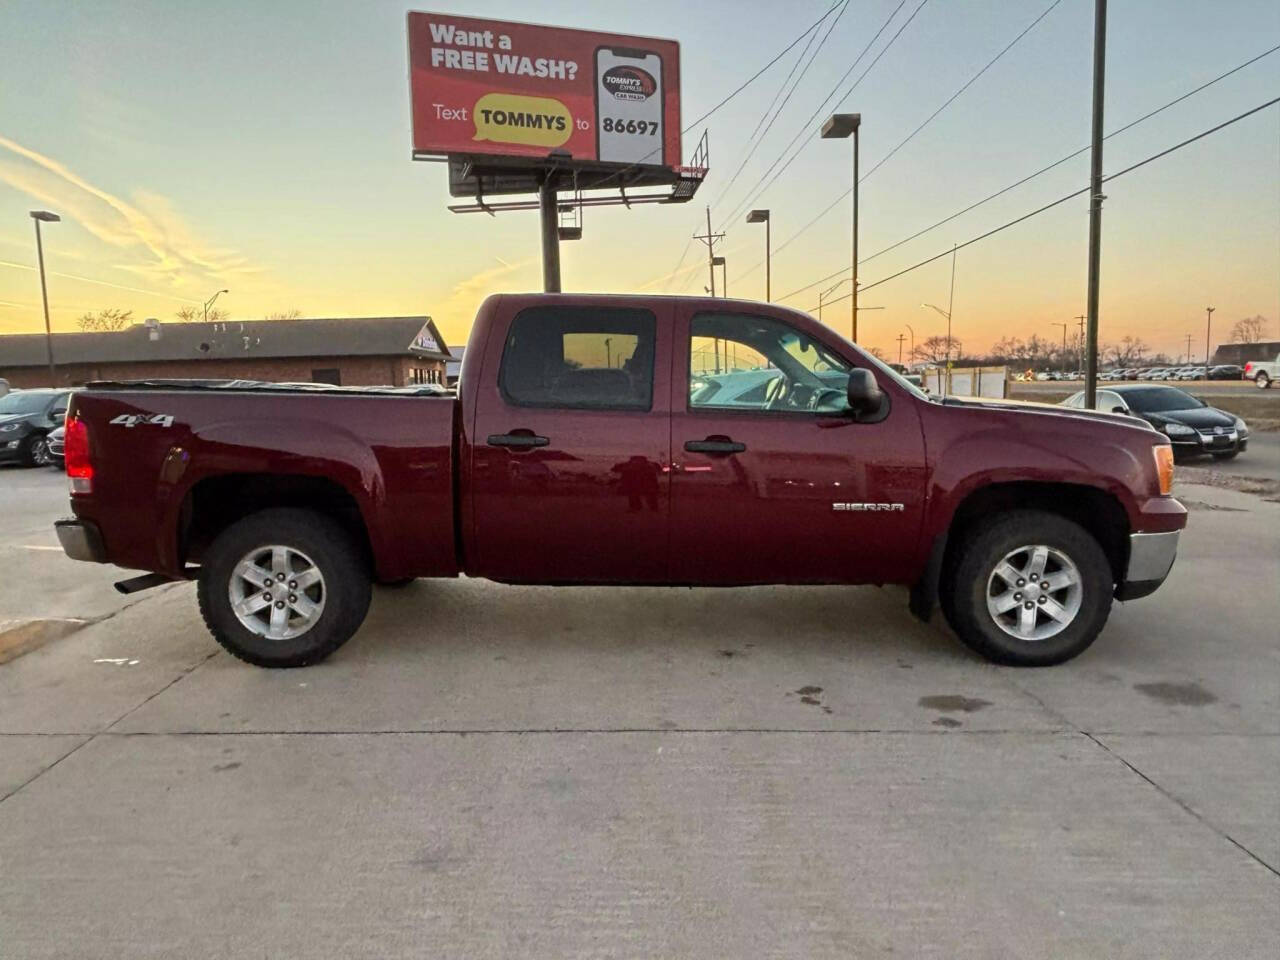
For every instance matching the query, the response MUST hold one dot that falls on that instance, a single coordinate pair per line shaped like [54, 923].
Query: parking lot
[490, 771]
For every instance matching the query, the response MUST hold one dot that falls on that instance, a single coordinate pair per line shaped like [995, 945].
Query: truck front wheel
[283, 588]
[1262, 381]
[1030, 589]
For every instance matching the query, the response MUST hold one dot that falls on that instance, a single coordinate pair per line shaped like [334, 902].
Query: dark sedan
[1191, 425]
[26, 417]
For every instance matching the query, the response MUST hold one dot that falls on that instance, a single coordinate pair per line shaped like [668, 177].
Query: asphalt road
[489, 771]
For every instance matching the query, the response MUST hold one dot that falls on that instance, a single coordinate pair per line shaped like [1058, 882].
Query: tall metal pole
[901, 337]
[1095, 200]
[854, 298]
[768, 267]
[1080, 356]
[44, 295]
[912, 355]
[951, 300]
[550, 217]
[1208, 322]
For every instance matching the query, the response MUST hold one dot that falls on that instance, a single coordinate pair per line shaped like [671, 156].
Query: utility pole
[710, 239]
[901, 337]
[1188, 348]
[1095, 200]
[1080, 353]
[1208, 322]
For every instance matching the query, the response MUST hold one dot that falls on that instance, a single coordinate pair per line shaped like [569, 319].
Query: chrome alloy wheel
[1034, 593]
[277, 592]
[40, 452]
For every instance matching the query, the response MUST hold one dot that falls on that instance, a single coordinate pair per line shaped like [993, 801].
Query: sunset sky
[265, 147]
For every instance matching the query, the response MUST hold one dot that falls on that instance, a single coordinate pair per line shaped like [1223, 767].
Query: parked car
[4, 387]
[26, 417]
[580, 452]
[1191, 424]
[1226, 371]
[55, 445]
[1262, 372]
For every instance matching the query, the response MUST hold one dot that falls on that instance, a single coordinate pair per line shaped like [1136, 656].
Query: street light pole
[762, 216]
[1208, 322]
[209, 303]
[840, 126]
[44, 216]
[1095, 200]
[912, 354]
[1064, 343]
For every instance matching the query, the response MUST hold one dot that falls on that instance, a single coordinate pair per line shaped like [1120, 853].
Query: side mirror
[1119, 410]
[864, 393]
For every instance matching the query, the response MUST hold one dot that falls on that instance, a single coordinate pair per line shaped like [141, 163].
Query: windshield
[1160, 399]
[23, 402]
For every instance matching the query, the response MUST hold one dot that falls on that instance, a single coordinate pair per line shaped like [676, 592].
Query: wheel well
[215, 503]
[1099, 512]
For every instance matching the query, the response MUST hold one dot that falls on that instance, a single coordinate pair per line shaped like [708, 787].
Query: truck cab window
[580, 357]
[740, 362]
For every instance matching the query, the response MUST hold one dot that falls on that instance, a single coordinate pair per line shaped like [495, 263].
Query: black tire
[964, 588]
[1229, 455]
[33, 451]
[346, 585]
[1262, 381]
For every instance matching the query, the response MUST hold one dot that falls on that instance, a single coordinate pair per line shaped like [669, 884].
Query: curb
[22, 636]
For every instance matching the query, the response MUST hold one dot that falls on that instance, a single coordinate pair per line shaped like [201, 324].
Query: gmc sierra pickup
[624, 440]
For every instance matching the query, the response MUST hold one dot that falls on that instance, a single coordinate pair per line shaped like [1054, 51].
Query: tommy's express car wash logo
[629, 83]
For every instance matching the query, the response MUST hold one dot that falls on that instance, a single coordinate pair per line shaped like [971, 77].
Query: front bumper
[1209, 442]
[1151, 557]
[81, 540]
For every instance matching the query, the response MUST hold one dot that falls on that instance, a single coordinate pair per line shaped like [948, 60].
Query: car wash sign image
[493, 88]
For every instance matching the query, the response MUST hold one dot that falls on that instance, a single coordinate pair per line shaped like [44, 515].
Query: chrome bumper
[1151, 557]
[81, 540]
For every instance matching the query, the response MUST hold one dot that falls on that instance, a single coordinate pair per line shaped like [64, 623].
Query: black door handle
[521, 440]
[710, 445]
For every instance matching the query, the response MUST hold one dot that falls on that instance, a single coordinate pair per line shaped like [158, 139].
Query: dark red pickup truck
[624, 440]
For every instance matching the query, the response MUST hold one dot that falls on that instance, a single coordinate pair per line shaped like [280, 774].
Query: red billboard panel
[500, 89]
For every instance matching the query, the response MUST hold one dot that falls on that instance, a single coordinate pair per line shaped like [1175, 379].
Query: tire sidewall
[972, 620]
[346, 585]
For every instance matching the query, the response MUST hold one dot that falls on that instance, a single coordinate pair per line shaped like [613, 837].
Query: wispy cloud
[147, 225]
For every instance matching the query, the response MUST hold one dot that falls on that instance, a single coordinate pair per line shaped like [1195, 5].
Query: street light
[209, 303]
[913, 340]
[838, 127]
[1208, 322]
[44, 216]
[762, 216]
[1064, 342]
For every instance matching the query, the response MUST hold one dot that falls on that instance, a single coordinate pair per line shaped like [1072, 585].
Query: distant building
[355, 351]
[1241, 353]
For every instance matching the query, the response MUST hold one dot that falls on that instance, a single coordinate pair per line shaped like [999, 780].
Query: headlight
[9, 427]
[1242, 428]
[1179, 430]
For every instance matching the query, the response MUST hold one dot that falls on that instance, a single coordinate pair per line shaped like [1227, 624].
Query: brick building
[356, 351]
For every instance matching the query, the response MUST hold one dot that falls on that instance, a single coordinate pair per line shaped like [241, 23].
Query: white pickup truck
[1263, 372]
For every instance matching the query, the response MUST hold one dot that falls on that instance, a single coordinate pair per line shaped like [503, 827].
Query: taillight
[76, 454]
[1164, 467]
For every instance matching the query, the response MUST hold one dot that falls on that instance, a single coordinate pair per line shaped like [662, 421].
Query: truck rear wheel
[1031, 589]
[283, 588]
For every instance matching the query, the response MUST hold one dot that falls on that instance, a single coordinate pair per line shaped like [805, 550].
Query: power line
[1057, 163]
[101, 283]
[755, 190]
[950, 100]
[755, 143]
[746, 83]
[1062, 200]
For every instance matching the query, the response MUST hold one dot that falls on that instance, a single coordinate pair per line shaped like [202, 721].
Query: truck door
[571, 447]
[773, 480]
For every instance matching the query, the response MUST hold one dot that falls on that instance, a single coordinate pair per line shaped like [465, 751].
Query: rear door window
[580, 357]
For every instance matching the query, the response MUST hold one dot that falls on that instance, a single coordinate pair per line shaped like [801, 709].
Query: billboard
[491, 88]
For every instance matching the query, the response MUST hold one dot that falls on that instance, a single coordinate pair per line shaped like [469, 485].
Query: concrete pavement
[490, 771]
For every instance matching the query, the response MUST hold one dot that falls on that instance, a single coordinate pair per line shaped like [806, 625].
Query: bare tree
[192, 315]
[1128, 352]
[105, 320]
[294, 314]
[1249, 330]
[934, 350]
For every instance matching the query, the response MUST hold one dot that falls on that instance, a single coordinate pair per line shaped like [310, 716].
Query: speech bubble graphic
[532, 121]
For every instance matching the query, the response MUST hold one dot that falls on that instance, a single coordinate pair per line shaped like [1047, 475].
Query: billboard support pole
[550, 217]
